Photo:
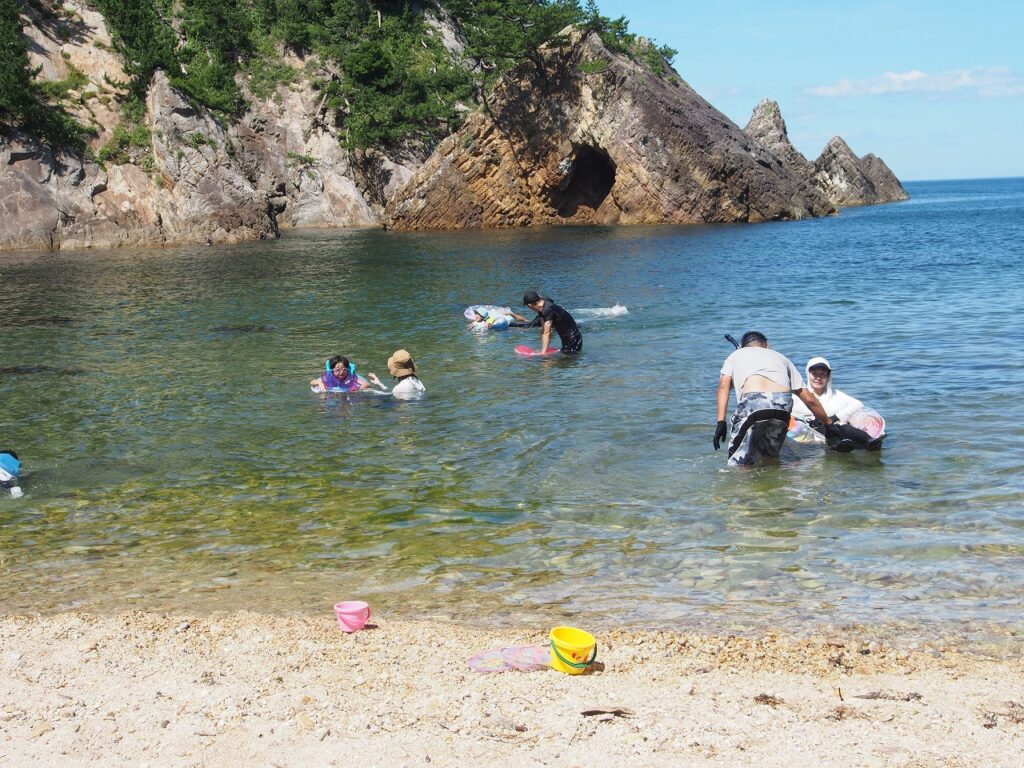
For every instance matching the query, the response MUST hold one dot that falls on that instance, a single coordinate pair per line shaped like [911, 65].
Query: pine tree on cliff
[21, 104]
[503, 33]
[146, 40]
[17, 100]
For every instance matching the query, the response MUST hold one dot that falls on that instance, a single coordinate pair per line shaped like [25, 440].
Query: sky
[936, 89]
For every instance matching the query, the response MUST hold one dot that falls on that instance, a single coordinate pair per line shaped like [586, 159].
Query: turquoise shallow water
[178, 460]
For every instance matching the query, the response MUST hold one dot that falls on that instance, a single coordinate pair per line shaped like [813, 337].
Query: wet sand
[247, 689]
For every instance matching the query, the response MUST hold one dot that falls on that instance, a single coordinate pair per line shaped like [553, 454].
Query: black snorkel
[732, 341]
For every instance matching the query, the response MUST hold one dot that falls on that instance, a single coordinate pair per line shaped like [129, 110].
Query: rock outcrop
[596, 137]
[767, 126]
[850, 180]
[838, 173]
[887, 187]
[199, 180]
[194, 191]
[590, 137]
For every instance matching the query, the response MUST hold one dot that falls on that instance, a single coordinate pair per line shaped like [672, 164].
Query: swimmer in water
[551, 317]
[407, 383]
[339, 376]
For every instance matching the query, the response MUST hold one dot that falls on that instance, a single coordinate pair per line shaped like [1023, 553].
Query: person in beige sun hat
[403, 369]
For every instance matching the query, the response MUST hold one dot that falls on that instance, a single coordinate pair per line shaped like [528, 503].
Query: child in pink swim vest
[339, 376]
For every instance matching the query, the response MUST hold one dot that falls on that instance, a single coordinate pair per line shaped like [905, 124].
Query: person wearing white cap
[765, 382]
[402, 367]
[838, 405]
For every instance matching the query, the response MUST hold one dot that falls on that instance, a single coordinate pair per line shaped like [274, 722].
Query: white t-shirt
[408, 388]
[834, 401]
[758, 361]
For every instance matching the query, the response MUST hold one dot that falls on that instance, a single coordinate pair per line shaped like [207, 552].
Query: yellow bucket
[572, 650]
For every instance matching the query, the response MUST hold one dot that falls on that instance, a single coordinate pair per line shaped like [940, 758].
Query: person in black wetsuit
[551, 316]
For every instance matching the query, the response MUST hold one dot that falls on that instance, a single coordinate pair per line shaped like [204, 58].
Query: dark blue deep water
[177, 459]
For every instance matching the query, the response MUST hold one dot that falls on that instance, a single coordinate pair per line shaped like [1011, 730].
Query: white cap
[815, 361]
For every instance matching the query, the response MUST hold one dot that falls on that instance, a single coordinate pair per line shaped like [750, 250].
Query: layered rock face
[591, 137]
[838, 173]
[194, 192]
[767, 126]
[199, 180]
[598, 138]
[851, 180]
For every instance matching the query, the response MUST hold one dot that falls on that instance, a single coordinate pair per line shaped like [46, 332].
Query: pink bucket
[352, 615]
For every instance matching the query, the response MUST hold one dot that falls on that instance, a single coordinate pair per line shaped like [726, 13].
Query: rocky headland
[596, 137]
[587, 135]
[842, 177]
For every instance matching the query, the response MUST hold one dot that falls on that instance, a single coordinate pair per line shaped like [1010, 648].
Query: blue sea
[177, 460]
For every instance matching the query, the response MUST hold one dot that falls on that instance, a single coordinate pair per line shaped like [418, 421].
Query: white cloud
[986, 82]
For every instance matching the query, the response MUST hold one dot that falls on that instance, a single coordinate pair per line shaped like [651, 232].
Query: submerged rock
[596, 137]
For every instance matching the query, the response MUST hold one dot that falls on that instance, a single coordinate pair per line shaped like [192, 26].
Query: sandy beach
[248, 689]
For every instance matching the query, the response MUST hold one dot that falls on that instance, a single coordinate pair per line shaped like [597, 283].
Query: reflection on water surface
[185, 464]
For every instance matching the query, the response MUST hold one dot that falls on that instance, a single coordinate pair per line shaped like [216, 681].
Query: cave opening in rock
[588, 183]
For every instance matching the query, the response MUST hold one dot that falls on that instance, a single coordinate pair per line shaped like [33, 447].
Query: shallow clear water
[178, 460]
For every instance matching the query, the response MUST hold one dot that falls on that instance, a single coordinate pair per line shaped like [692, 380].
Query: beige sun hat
[401, 364]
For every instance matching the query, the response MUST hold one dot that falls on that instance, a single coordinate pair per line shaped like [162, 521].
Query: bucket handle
[569, 662]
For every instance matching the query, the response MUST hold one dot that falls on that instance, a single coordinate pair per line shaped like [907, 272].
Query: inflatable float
[867, 420]
[495, 318]
[524, 351]
[353, 383]
[10, 468]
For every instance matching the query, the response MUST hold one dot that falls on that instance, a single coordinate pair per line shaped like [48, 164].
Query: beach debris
[1012, 715]
[843, 712]
[525, 658]
[39, 729]
[768, 700]
[608, 713]
[890, 696]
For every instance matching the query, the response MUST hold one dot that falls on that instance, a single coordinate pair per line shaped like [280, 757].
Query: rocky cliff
[851, 180]
[591, 136]
[767, 127]
[596, 137]
[194, 178]
[842, 177]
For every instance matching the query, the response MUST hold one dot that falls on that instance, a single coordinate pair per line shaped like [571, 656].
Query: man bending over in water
[765, 382]
[550, 317]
